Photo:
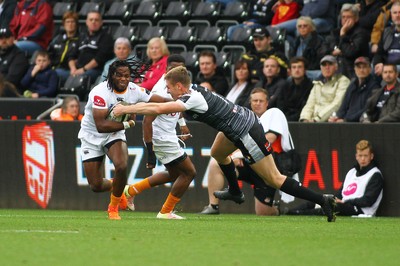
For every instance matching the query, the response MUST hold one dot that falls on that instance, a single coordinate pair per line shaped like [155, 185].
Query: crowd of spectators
[333, 55]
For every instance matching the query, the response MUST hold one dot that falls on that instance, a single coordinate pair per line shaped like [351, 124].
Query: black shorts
[254, 146]
[264, 193]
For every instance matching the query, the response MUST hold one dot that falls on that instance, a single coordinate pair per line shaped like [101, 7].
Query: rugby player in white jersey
[160, 137]
[100, 136]
[239, 128]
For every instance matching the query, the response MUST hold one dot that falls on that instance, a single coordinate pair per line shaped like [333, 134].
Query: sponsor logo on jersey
[98, 101]
[350, 189]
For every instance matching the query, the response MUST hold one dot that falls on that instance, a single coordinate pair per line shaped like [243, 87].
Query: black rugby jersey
[233, 120]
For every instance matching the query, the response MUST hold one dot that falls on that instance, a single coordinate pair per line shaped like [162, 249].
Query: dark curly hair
[136, 67]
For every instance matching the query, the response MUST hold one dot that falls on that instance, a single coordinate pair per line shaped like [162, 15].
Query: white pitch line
[41, 231]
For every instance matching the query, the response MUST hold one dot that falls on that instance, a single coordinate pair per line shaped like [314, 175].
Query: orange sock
[139, 187]
[114, 201]
[170, 203]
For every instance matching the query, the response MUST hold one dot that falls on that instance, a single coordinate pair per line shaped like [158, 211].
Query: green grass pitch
[49, 237]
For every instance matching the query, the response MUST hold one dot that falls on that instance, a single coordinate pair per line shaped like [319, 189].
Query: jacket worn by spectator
[355, 99]
[33, 23]
[385, 44]
[98, 46]
[217, 81]
[13, 65]
[274, 89]
[44, 83]
[313, 51]
[352, 45]
[381, 22]
[7, 13]
[292, 99]
[325, 98]
[387, 111]
[61, 48]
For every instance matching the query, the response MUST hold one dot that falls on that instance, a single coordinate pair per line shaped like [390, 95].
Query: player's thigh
[266, 169]
[184, 167]
[117, 151]
[94, 171]
[222, 147]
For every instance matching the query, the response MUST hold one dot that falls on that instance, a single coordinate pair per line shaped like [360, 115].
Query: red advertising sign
[38, 158]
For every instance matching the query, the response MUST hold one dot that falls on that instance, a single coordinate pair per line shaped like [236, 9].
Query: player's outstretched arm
[150, 108]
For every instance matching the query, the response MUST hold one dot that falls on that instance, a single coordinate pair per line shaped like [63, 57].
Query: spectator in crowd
[40, 80]
[292, 99]
[157, 52]
[262, 50]
[383, 20]
[95, 48]
[327, 93]
[384, 104]
[210, 75]
[7, 89]
[122, 50]
[240, 91]
[285, 10]
[362, 189]
[349, 41]
[277, 133]
[272, 81]
[260, 16]
[359, 90]
[389, 46]
[13, 62]
[322, 12]
[308, 44]
[64, 45]
[6, 12]
[32, 25]
[369, 12]
[69, 111]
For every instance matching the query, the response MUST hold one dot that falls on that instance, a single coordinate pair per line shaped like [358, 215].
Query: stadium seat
[176, 48]
[61, 7]
[199, 24]
[119, 10]
[129, 32]
[177, 10]
[242, 35]
[212, 35]
[148, 10]
[234, 52]
[183, 34]
[206, 10]
[111, 25]
[107, 3]
[140, 51]
[90, 6]
[237, 10]
[152, 31]
[140, 24]
[169, 25]
[79, 85]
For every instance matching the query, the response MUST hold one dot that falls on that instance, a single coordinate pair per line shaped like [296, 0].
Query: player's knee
[120, 166]
[96, 187]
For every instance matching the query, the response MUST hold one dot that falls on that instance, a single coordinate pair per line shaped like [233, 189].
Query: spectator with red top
[157, 52]
[285, 10]
[32, 25]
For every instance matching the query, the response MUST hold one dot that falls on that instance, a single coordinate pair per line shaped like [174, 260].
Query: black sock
[215, 206]
[230, 174]
[294, 188]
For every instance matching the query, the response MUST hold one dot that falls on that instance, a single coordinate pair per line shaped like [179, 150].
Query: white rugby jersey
[164, 126]
[101, 97]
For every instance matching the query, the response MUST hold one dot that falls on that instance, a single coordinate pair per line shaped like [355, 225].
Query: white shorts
[93, 146]
[166, 151]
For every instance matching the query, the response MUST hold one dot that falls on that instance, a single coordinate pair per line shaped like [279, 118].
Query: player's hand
[238, 162]
[185, 133]
[119, 109]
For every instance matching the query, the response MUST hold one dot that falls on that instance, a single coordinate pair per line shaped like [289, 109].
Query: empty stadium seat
[119, 10]
[90, 6]
[177, 10]
[61, 7]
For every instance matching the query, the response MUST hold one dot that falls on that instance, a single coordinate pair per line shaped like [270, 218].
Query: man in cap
[13, 62]
[357, 93]
[262, 50]
[327, 94]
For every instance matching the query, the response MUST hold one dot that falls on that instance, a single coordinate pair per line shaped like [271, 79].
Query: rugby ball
[111, 116]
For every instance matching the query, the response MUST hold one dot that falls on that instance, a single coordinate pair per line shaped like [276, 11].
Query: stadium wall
[40, 165]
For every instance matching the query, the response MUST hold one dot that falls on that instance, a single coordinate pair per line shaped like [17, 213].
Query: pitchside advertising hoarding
[40, 165]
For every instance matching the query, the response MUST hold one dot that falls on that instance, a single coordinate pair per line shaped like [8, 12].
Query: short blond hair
[363, 145]
[179, 74]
